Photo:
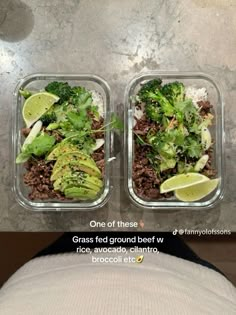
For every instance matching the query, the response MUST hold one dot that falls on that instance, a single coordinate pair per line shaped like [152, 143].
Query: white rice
[98, 101]
[195, 94]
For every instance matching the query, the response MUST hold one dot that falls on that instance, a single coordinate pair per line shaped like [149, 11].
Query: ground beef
[144, 177]
[38, 179]
[57, 135]
[209, 169]
[143, 125]
[25, 131]
[98, 155]
[211, 173]
[99, 158]
[171, 171]
[98, 124]
[101, 166]
[205, 107]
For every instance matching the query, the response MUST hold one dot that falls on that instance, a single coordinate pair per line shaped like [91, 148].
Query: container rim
[26, 79]
[176, 74]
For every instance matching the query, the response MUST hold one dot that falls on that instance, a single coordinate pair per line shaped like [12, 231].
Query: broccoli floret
[48, 118]
[174, 92]
[153, 111]
[150, 86]
[61, 89]
[150, 93]
[165, 105]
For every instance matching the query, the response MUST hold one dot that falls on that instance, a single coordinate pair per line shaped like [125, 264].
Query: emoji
[139, 259]
[141, 224]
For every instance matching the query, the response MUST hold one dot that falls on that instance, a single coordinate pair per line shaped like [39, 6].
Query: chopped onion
[206, 138]
[33, 134]
[99, 143]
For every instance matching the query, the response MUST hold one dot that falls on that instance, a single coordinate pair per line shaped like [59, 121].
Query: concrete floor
[116, 40]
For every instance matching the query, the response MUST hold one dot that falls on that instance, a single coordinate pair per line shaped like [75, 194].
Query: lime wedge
[182, 181]
[198, 191]
[36, 105]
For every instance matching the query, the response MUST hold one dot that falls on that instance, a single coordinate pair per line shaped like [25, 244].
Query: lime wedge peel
[182, 181]
[33, 134]
[198, 191]
[37, 105]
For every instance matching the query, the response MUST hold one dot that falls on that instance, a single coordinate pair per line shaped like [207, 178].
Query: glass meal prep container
[198, 80]
[37, 82]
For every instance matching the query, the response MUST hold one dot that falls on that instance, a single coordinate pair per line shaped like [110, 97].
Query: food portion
[173, 146]
[63, 150]
[197, 191]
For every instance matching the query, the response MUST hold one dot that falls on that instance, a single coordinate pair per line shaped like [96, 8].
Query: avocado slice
[69, 182]
[76, 165]
[60, 149]
[66, 158]
[65, 169]
[82, 177]
[80, 193]
[78, 179]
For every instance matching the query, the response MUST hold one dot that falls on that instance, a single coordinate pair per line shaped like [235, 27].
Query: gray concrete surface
[116, 40]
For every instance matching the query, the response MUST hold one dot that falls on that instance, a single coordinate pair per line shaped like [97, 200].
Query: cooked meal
[63, 150]
[173, 147]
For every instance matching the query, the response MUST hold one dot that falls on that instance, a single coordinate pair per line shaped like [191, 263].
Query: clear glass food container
[215, 96]
[37, 82]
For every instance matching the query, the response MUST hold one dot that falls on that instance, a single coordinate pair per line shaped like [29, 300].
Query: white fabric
[71, 284]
